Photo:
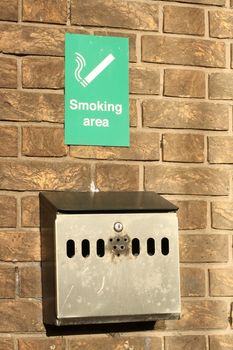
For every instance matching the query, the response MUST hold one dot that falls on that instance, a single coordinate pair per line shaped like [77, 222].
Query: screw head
[118, 227]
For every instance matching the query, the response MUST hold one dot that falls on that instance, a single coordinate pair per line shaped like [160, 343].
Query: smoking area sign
[96, 90]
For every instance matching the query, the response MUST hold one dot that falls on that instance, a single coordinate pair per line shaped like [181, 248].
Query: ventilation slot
[70, 248]
[100, 250]
[85, 248]
[150, 246]
[135, 247]
[165, 246]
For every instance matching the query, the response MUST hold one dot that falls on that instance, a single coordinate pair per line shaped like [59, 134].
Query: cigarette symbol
[95, 72]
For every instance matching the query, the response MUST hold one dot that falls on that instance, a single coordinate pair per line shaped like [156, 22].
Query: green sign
[96, 90]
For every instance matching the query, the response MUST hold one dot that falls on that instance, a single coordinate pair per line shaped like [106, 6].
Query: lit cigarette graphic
[95, 72]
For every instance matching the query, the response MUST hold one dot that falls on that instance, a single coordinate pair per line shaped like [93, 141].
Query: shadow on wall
[99, 328]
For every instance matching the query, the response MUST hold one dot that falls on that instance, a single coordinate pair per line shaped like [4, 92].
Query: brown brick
[34, 343]
[221, 282]
[133, 112]
[221, 24]
[206, 2]
[115, 13]
[8, 72]
[30, 106]
[117, 177]
[115, 343]
[222, 215]
[40, 175]
[184, 20]
[30, 211]
[203, 248]
[6, 344]
[49, 11]
[190, 115]
[9, 10]
[35, 40]
[221, 86]
[144, 81]
[8, 211]
[43, 142]
[192, 282]
[7, 285]
[221, 342]
[217, 145]
[9, 141]
[192, 214]
[183, 180]
[143, 146]
[184, 83]
[30, 282]
[45, 72]
[20, 316]
[185, 342]
[201, 314]
[184, 51]
[183, 148]
[19, 246]
[132, 41]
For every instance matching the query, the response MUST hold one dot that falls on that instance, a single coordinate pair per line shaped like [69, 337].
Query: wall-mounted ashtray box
[109, 257]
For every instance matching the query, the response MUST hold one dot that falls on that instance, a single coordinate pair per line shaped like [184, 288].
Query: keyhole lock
[118, 227]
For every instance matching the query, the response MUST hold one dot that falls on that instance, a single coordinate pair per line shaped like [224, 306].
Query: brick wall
[181, 97]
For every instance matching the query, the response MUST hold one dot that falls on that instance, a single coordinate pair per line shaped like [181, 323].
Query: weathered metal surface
[120, 283]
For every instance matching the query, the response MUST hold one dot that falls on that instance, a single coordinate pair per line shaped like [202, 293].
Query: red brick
[35, 40]
[9, 10]
[203, 248]
[184, 20]
[7, 285]
[221, 342]
[20, 316]
[200, 314]
[9, 141]
[221, 282]
[221, 86]
[143, 146]
[217, 145]
[40, 175]
[115, 13]
[8, 211]
[19, 246]
[6, 344]
[184, 83]
[115, 343]
[221, 24]
[183, 148]
[133, 113]
[222, 215]
[144, 81]
[189, 115]
[192, 214]
[183, 51]
[31, 106]
[185, 342]
[43, 72]
[117, 177]
[30, 282]
[184, 180]
[50, 11]
[8, 72]
[30, 211]
[43, 142]
[192, 282]
[34, 343]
